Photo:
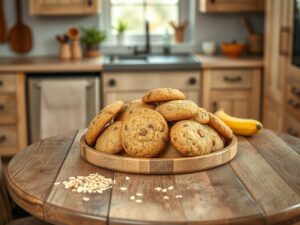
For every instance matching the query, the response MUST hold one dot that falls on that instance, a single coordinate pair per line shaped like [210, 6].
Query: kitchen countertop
[53, 64]
[50, 64]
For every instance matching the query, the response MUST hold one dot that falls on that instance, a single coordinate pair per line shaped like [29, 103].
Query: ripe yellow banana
[239, 126]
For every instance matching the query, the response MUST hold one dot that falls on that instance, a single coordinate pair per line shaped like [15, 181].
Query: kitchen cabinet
[129, 86]
[13, 127]
[277, 50]
[237, 91]
[63, 7]
[223, 6]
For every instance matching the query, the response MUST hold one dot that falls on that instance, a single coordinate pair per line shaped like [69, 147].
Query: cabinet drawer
[8, 140]
[231, 78]
[8, 109]
[141, 81]
[7, 83]
[293, 99]
[292, 126]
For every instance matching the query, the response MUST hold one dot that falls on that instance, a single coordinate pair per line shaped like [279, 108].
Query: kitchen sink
[151, 62]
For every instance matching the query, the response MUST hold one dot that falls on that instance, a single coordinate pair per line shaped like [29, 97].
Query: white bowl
[209, 47]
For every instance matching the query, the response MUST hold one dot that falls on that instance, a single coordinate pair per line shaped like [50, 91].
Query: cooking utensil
[60, 39]
[179, 31]
[3, 28]
[20, 35]
[73, 34]
[233, 49]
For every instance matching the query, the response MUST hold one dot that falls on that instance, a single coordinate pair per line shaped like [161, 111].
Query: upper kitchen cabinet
[223, 6]
[63, 7]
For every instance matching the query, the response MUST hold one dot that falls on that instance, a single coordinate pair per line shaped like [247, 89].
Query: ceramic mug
[209, 47]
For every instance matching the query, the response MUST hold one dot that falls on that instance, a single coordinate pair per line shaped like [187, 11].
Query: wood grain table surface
[261, 185]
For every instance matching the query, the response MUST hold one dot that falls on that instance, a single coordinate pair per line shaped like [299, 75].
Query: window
[159, 13]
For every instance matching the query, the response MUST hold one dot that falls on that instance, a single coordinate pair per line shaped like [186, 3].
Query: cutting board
[20, 34]
[168, 162]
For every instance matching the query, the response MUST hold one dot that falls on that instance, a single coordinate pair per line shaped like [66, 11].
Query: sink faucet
[147, 48]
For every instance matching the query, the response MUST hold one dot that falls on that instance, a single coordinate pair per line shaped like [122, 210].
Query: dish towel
[63, 106]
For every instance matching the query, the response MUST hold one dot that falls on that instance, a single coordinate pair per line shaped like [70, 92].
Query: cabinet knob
[90, 3]
[192, 81]
[112, 82]
[2, 107]
[2, 138]
[294, 104]
[295, 91]
[292, 132]
[1, 82]
[233, 79]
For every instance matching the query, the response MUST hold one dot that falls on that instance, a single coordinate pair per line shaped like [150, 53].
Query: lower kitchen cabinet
[129, 86]
[13, 127]
[237, 91]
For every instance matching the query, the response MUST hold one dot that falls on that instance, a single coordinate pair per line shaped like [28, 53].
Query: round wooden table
[261, 185]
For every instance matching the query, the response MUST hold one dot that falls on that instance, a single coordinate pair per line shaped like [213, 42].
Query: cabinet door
[63, 7]
[235, 103]
[208, 6]
[276, 58]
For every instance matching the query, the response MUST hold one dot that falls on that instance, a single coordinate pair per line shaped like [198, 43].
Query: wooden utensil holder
[76, 49]
[65, 51]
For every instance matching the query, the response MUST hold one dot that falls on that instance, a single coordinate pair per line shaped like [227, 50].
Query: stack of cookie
[144, 127]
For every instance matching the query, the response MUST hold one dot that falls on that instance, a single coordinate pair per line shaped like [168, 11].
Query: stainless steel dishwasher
[34, 97]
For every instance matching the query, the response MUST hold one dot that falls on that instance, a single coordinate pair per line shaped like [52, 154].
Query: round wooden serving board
[168, 162]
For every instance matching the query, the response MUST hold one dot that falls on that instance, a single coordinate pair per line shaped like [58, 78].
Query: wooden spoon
[20, 35]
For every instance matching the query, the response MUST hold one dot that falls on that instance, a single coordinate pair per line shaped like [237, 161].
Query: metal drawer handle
[215, 106]
[233, 79]
[292, 132]
[294, 104]
[2, 138]
[2, 107]
[295, 91]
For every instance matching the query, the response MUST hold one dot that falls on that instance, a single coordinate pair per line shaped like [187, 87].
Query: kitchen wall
[216, 27]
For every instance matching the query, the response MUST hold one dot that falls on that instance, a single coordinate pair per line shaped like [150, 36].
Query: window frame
[137, 39]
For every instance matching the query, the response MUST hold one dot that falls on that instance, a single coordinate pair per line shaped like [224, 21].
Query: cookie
[190, 138]
[97, 125]
[220, 126]
[130, 107]
[201, 116]
[218, 141]
[178, 110]
[163, 95]
[110, 139]
[145, 133]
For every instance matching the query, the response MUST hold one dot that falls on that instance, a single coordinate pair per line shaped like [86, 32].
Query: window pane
[162, 2]
[132, 15]
[127, 2]
[160, 17]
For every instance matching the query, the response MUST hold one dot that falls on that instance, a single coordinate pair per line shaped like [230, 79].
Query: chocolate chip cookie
[218, 141]
[130, 107]
[163, 95]
[201, 116]
[178, 110]
[110, 139]
[190, 138]
[145, 133]
[220, 126]
[97, 125]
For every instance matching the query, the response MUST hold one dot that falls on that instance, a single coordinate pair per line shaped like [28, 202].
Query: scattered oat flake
[164, 190]
[171, 187]
[127, 178]
[56, 183]
[132, 197]
[139, 201]
[157, 189]
[139, 194]
[85, 199]
[166, 197]
[123, 188]
[178, 196]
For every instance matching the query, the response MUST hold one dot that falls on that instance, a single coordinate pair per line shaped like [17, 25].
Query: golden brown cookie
[98, 123]
[190, 138]
[220, 126]
[177, 110]
[201, 116]
[218, 141]
[145, 133]
[163, 95]
[110, 139]
[130, 107]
